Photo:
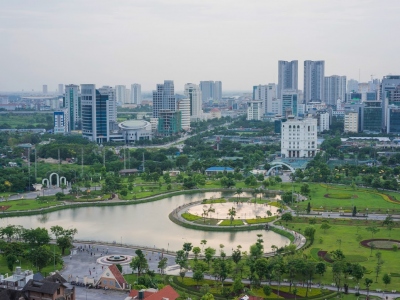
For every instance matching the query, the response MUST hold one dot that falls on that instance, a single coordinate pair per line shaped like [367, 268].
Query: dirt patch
[323, 255]
[285, 294]
[4, 207]
[383, 244]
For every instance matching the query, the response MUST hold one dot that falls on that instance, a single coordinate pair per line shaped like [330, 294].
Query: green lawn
[344, 237]
[233, 223]
[28, 204]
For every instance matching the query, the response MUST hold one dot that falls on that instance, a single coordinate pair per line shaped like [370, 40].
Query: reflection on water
[145, 224]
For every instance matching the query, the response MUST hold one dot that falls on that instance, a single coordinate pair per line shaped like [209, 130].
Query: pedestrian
[70, 257]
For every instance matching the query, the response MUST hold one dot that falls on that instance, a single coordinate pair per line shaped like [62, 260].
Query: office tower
[193, 93]
[266, 93]
[184, 108]
[164, 97]
[120, 94]
[61, 121]
[44, 89]
[289, 103]
[169, 122]
[314, 72]
[217, 95]
[95, 113]
[276, 106]
[136, 94]
[287, 76]
[61, 89]
[299, 138]
[254, 110]
[207, 90]
[211, 90]
[334, 89]
[128, 96]
[393, 119]
[112, 103]
[372, 116]
[352, 85]
[388, 84]
[72, 102]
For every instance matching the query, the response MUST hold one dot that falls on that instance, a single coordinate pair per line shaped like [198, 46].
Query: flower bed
[339, 195]
[324, 256]
[4, 207]
[383, 244]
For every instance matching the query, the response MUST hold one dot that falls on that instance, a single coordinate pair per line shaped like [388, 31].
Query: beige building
[351, 121]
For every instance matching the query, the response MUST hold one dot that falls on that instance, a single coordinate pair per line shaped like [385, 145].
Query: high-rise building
[72, 102]
[393, 119]
[211, 90]
[254, 110]
[112, 103]
[217, 95]
[136, 94]
[314, 73]
[61, 121]
[287, 76]
[352, 85]
[44, 89]
[372, 116]
[276, 106]
[351, 121]
[388, 84]
[164, 97]
[95, 113]
[120, 94]
[193, 93]
[334, 89]
[128, 96]
[289, 103]
[61, 89]
[184, 108]
[266, 94]
[299, 138]
[169, 122]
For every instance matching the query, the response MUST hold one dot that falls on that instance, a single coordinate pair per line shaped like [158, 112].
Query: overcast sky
[236, 41]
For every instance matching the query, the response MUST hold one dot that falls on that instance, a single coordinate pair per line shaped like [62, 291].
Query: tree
[358, 272]
[182, 161]
[373, 229]
[64, 242]
[203, 242]
[238, 192]
[198, 275]
[388, 222]
[354, 213]
[182, 274]
[208, 255]
[236, 256]
[232, 214]
[187, 247]
[308, 209]
[237, 286]
[162, 264]
[36, 237]
[196, 251]
[320, 268]
[139, 262]
[368, 282]
[267, 290]
[8, 231]
[41, 257]
[59, 196]
[181, 259]
[309, 232]
[63, 187]
[11, 260]
[386, 279]
[305, 189]
[207, 296]
[287, 197]
[287, 217]
[325, 226]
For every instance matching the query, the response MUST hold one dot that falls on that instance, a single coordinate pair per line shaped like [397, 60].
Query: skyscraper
[164, 97]
[120, 94]
[352, 85]
[72, 102]
[287, 76]
[254, 110]
[136, 94]
[217, 95]
[44, 89]
[314, 72]
[193, 93]
[95, 113]
[265, 93]
[112, 103]
[289, 103]
[334, 89]
[388, 84]
[211, 90]
[61, 89]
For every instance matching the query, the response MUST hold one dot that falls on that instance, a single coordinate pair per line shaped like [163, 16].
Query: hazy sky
[236, 41]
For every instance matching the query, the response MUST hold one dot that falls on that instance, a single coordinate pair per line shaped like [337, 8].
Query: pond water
[145, 224]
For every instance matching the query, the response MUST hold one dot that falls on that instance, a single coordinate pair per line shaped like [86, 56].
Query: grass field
[28, 204]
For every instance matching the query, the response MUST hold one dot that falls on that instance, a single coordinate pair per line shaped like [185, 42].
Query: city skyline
[62, 42]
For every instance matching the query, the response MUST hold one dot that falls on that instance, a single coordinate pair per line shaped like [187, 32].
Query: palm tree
[232, 214]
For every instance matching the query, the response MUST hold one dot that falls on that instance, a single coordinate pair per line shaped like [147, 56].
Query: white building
[314, 73]
[193, 93]
[276, 106]
[211, 90]
[184, 108]
[254, 110]
[44, 89]
[135, 130]
[72, 102]
[128, 96]
[266, 94]
[120, 94]
[323, 121]
[217, 91]
[112, 103]
[334, 89]
[299, 138]
[136, 94]
[351, 121]
[60, 89]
